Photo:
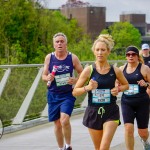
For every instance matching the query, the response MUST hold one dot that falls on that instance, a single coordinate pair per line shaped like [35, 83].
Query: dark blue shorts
[58, 103]
[138, 111]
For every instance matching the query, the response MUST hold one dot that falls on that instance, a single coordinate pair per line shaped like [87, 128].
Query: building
[137, 20]
[91, 19]
[148, 28]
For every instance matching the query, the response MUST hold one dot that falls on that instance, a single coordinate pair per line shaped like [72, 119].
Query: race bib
[101, 96]
[62, 79]
[133, 89]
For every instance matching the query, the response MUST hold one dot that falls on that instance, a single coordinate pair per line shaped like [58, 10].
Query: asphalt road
[42, 137]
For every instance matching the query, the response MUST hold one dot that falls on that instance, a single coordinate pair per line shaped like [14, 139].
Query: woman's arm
[121, 82]
[145, 71]
[80, 87]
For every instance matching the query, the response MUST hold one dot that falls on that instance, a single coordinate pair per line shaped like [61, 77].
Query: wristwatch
[147, 85]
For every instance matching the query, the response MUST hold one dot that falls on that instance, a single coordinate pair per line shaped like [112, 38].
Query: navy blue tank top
[105, 81]
[147, 61]
[132, 78]
[65, 70]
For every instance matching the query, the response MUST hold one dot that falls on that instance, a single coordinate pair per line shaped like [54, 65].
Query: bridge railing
[20, 116]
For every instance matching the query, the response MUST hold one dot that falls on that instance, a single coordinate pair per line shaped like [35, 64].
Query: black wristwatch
[147, 85]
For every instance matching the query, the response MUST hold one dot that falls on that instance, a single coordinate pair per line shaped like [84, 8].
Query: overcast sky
[113, 7]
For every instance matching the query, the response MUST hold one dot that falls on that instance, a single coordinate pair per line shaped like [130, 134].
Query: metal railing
[19, 118]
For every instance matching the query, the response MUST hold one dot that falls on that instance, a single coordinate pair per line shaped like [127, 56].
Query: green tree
[83, 49]
[27, 29]
[52, 22]
[124, 35]
[18, 25]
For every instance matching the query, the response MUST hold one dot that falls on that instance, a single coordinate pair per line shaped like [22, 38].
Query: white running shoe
[146, 145]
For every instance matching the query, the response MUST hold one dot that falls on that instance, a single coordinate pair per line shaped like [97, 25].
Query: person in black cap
[135, 101]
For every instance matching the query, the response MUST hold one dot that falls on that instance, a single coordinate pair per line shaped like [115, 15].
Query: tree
[83, 49]
[19, 26]
[27, 29]
[124, 35]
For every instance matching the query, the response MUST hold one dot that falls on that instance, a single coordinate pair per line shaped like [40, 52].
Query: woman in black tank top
[98, 80]
[135, 101]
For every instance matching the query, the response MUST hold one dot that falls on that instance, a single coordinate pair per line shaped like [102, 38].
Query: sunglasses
[131, 54]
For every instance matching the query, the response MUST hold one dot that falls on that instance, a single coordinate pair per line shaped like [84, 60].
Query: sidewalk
[42, 137]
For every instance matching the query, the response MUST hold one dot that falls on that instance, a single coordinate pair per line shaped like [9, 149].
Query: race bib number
[101, 96]
[133, 89]
[62, 79]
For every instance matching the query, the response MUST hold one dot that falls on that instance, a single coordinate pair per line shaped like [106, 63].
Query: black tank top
[132, 78]
[105, 81]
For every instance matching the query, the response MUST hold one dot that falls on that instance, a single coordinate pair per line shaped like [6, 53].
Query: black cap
[132, 48]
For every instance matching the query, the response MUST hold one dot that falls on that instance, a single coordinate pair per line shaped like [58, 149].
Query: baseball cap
[145, 46]
[132, 48]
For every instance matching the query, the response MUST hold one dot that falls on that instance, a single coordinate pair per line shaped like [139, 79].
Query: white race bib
[62, 79]
[101, 96]
[133, 89]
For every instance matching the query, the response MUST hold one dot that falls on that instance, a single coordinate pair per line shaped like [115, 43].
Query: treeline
[26, 31]
[27, 28]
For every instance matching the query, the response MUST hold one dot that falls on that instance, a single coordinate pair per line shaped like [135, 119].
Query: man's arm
[45, 70]
[77, 64]
[77, 67]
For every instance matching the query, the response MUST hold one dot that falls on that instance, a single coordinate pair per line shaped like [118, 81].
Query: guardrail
[19, 118]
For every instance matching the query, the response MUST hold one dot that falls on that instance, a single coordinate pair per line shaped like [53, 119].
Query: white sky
[113, 7]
